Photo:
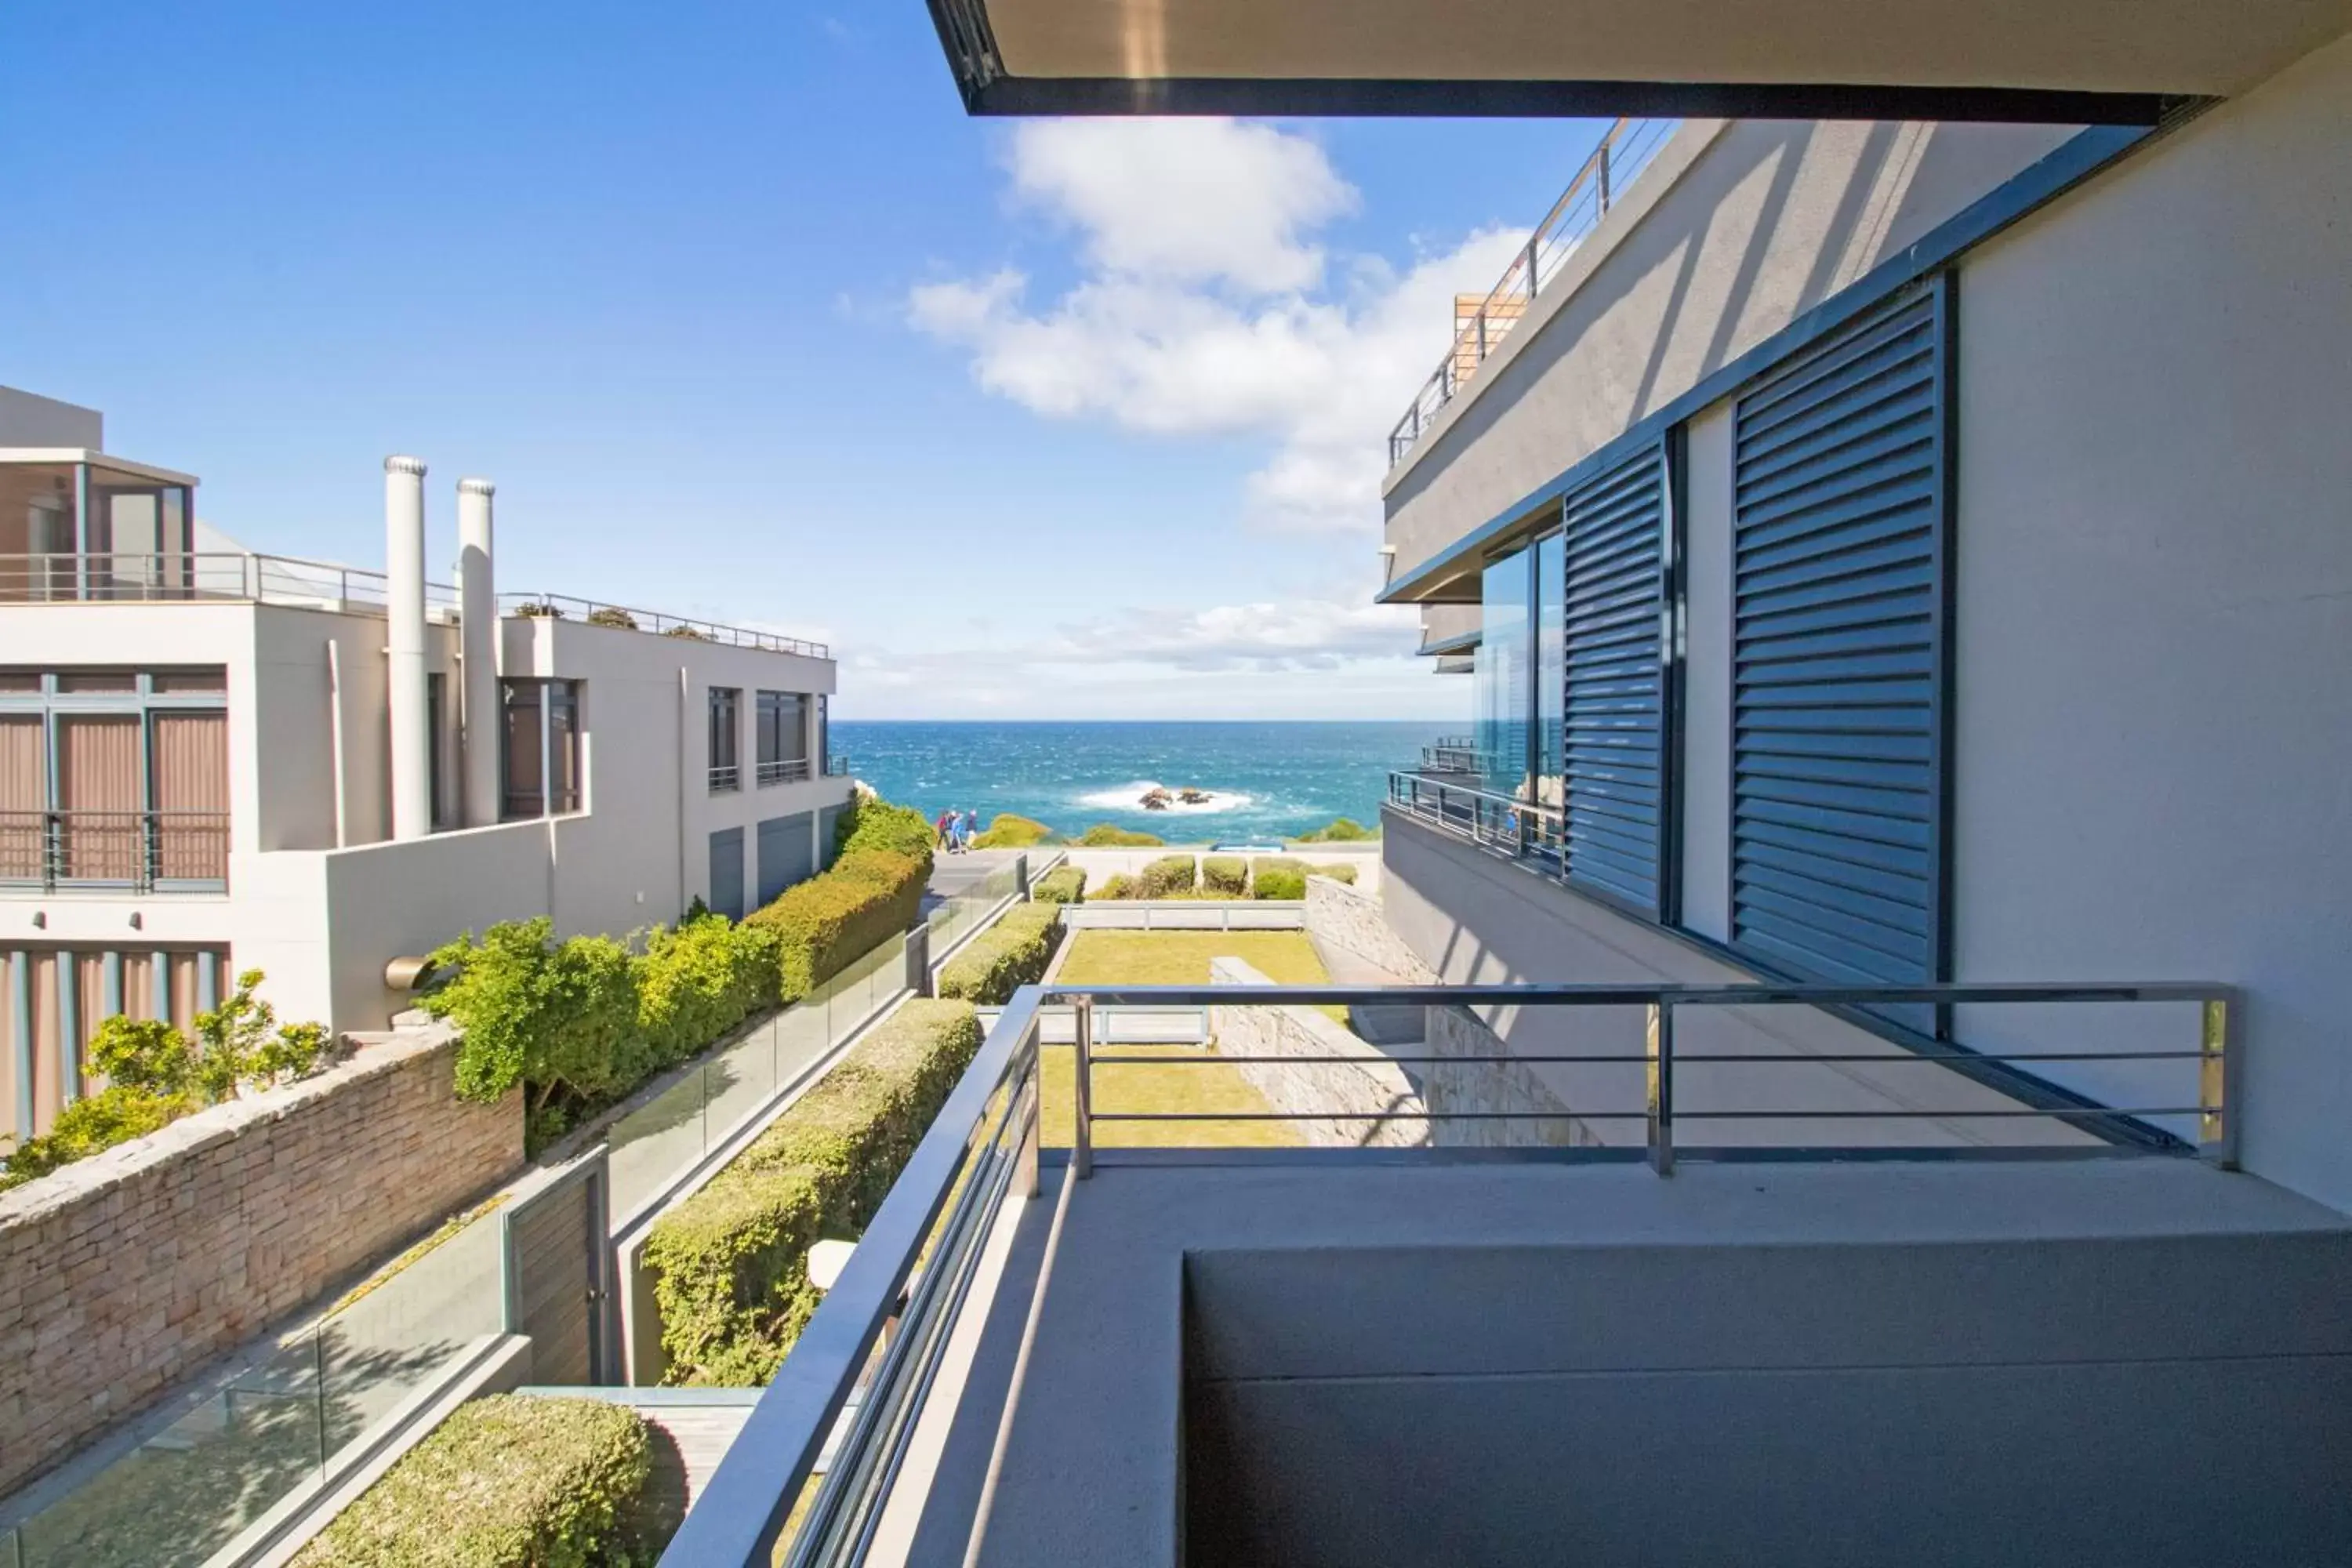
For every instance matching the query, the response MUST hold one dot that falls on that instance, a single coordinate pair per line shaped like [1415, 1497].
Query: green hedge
[730, 1263]
[1104, 836]
[824, 924]
[1227, 875]
[1007, 831]
[1339, 830]
[869, 822]
[1010, 954]
[1338, 870]
[1279, 877]
[1062, 885]
[1168, 875]
[510, 1481]
[1118, 885]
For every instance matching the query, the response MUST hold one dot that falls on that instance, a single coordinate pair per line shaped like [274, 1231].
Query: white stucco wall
[1734, 230]
[2154, 746]
[29, 419]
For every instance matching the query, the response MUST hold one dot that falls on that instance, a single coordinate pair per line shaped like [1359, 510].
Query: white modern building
[213, 759]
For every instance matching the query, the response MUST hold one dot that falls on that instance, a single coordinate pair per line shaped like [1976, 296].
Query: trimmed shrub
[869, 822]
[1104, 836]
[828, 922]
[1006, 831]
[690, 634]
[1338, 830]
[699, 981]
[730, 1263]
[1119, 885]
[613, 615]
[538, 610]
[1338, 870]
[1224, 875]
[560, 1017]
[1279, 877]
[1010, 954]
[1166, 877]
[92, 1124]
[511, 1481]
[1062, 885]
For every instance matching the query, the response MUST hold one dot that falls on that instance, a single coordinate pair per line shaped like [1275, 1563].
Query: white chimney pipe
[403, 570]
[478, 612]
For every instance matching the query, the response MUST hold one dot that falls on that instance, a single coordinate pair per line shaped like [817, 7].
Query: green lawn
[1172, 958]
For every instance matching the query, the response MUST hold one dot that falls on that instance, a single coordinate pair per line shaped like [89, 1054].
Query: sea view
[1264, 779]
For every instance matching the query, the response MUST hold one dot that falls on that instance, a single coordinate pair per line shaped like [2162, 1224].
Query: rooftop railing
[625, 617]
[1624, 152]
[201, 574]
[807, 1480]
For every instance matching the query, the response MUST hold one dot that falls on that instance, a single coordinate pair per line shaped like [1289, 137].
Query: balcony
[1482, 322]
[623, 618]
[1843, 1320]
[726, 778]
[172, 578]
[115, 851]
[783, 769]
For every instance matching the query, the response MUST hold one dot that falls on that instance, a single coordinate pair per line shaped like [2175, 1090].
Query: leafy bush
[1225, 874]
[613, 615]
[558, 1018]
[1118, 885]
[1006, 831]
[690, 634]
[1062, 885]
[239, 1043]
[1338, 870]
[145, 1054]
[699, 981]
[827, 923]
[1169, 875]
[514, 1480]
[1338, 830]
[730, 1263]
[869, 822]
[538, 610]
[94, 1122]
[1010, 954]
[1279, 877]
[1104, 836]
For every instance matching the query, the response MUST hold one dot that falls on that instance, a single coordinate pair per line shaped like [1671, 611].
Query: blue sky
[749, 320]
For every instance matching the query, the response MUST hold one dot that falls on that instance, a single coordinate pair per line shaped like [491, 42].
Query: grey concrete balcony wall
[1736, 229]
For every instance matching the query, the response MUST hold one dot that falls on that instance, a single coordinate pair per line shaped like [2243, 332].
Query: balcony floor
[1228, 1318]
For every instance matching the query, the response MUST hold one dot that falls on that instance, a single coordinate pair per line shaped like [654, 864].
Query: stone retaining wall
[1452, 1087]
[123, 1273]
[1311, 1080]
[1350, 919]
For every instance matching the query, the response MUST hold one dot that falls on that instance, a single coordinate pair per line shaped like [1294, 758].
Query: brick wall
[123, 1273]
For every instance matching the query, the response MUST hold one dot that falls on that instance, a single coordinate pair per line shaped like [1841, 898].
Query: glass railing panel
[648, 1147]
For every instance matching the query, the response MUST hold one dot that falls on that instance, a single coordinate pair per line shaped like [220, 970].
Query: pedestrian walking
[945, 828]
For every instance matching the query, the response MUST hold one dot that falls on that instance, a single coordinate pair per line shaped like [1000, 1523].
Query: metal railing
[627, 618]
[203, 574]
[1502, 822]
[827, 1440]
[1452, 755]
[784, 770]
[726, 779]
[137, 851]
[836, 766]
[1624, 152]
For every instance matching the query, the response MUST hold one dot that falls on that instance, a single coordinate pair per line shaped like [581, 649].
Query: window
[782, 740]
[824, 760]
[114, 778]
[726, 769]
[539, 748]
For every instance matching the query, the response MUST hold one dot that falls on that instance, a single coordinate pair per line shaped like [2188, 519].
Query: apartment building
[217, 760]
[1895, 522]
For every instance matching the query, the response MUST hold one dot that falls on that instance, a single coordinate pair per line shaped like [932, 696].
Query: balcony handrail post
[1533, 240]
[1659, 1074]
[1603, 155]
[1025, 1182]
[1082, 1135]
[2220, 1071]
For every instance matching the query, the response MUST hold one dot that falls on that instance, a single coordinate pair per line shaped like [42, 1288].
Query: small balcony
[784, 771]
[115, 851]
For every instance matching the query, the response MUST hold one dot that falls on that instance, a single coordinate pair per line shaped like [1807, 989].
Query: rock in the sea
[1194, 797]
[1155, 800]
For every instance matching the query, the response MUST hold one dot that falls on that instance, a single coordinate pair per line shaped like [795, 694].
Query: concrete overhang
[2052, 60]
[11, 455]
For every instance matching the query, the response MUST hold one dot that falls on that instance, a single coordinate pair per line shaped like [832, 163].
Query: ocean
[1264, 779]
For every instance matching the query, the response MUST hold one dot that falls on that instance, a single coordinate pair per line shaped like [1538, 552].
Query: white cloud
[1189, 200]
[1205, 309]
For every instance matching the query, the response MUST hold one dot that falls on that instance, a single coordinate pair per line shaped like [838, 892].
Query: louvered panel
[1838, 662]
[1612, 603]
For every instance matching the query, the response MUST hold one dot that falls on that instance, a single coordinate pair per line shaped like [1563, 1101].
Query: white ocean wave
[1129, 797]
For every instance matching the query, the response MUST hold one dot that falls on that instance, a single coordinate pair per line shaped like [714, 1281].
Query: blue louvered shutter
[1839, 660]
[1611, 610]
